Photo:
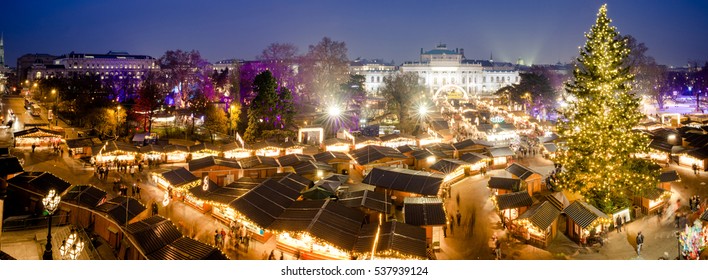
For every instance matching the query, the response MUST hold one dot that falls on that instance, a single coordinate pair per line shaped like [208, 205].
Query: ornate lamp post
[51, 203]
[71, 247]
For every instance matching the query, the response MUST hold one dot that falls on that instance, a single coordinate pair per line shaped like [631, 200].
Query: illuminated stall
[511, 205]
[293, 147]
[453, 169]
[318, 230]
[698, 156]
[313, 170]
[82, 147]
[176, 153]
[236, 151]
[477, 161]
[469, 146]
[372, 204]
[407, 150]
[399, 183]
[115, 151]
[287, 162]
[40, 137]
[220, 198]
[203, 150]
[363, 141]
[152, 153]
[223, 171]
[426, 139]
[257, 207]
[259, 166]
[429, 214]
[531, 180]
[338, 145]
[209, 195]
[371, 156]
[423, 159]
[178, 180]
[585, 221]
[391, 241]
[267, 149]
[538, 225]
[397, 140]
[340, 161]
[501, 157]
[501, 185]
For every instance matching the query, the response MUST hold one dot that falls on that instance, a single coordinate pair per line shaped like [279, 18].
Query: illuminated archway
[447, 87]
[319, 130]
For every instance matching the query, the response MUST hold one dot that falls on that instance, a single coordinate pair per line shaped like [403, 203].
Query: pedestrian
[223, 235]
[459, 217]
[137, 191]
[272, 255]
[618, 224]
[35, 146]
[452, 225]
[457, 198]
[281, 256]
[640, 241]
[154, 208]
[217, 236]
[497, 248]
[694, 166]
[445, 230]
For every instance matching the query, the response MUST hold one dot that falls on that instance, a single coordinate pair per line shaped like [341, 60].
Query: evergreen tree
[600, 161]
[262, 112]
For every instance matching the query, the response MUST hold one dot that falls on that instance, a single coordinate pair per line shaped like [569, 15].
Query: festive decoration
[599, 161]
[693, 240]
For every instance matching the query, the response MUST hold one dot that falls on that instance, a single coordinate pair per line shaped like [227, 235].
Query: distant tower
[491, 57]
[2, 51]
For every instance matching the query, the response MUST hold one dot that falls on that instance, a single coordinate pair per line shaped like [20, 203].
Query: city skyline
[392, 31]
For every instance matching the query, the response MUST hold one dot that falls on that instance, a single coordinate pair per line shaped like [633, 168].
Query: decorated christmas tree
[598, 160]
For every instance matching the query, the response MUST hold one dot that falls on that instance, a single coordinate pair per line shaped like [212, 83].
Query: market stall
[363, 141]
[511, 205]
[403, 183]
[371, 156]
[502, 185]
[82, 147]
[391, 240]
[340, 161]
[152, 153]
[293, 147]
[267, 149]
[538, 225]
[176, 153]
[223, 171]
[698, 156]
[428, 213]
[477, 161]
[585, 222]
[236, 150]
[397, 140]
[259, 166]
[337, 145]
[501, 157]
[112, 151]
[530, 179]
[176, 181]
[454, 170]
[40, 137]
[204, 150]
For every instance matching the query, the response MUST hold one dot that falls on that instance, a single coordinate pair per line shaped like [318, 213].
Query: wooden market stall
[397, 140]
[424, 158]
[82, 147]
[585, 221]
[152, 153]
[469, 146]
[477, 161]
[267, 149]
[40, 137]
[372, 203]
[113, 151]
[501, 185]
[372, 156]
[511, 205]
[176, 153]
[391, 240]
[318, 230]
[223, 171]
[259, 166]
[697, 156]
[291, 147]
[454, 170]
[340, 161]
[429, 214]
[537, 226]
[204, 149]
[530, 179]
[177, 181]
[363, 141]
[337, 145]
[399, 183]
[313, 170]
[159, 239]
[501, 157]
[287, 161]
[236, 151]
[407, 150]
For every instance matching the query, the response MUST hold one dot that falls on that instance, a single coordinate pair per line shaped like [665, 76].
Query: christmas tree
[598, 160]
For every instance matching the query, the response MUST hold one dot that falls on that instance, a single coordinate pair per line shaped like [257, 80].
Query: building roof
[311, 167]
[204, 147]
[473, 158]
[292, 159]
[541, 215]
[83, 142]
[583, 213]
[372, 153]
[114, 146]
[704, 216]
[468, 143]
[258, 162]
[122, 209]
[327, 220]
[40, 182]
[210, 161]
[393, 236]
[88, 195]
[152, 149]
[424, 211]
[550, 147]
[407, 148]
[447, 166]
[367, 199]
[265, 202]
[329, 157]
[502, 183]
[179, 176]
[513, 200]
[654, 193]
[501, 152]
[405, 180]
[699, 153]
[10, 165]
[669, 176]
[175, 148]
[333, 141]
[391, 137]
[36, 132]
[160, 239]
[520, 171]
[185, 248]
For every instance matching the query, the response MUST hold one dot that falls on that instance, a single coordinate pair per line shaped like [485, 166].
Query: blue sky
[543, 31]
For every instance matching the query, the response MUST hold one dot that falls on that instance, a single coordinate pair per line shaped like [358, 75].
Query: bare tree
[326, 67]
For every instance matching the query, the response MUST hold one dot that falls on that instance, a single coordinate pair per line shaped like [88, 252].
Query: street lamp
[71, 247]
[117, 119]
[51, 203]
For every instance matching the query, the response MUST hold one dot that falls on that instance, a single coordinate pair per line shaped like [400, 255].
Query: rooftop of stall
[37, 132]
[541, 215]
[222, 195]
[292, 159]
[513, 200]
[160, 239]
[584, 214]
[87, 195]
[447, 166]
[40, 182]
[366, 199]
[372, 153]
[510, 184]
[178, 177]
[209, 161]
[395, 240]
[405, 180]
[424, 211]
[473, 158]
[331, 157]
[122, 208]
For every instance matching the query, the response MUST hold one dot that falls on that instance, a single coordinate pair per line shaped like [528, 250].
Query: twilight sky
[543, 31]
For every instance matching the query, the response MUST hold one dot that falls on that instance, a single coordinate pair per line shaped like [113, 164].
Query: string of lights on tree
[599, 162]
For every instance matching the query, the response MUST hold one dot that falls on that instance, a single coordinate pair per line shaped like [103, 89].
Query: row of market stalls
[686, 145]
[536, 218]
[39, 137]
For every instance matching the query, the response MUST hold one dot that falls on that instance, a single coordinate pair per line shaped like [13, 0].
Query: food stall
[176, 153]
[267, 149]
[501, 157]
[511, 205]
[236, 150]
[152, 153]
[584, 221]
[178, 181]
[477, 161]
[698, 156]
[453, 169]
[203, 150]
[363, 141]
[82, 147]
[337, 145]
[293, 147]
[538, 225]
[428, 213]
[115, 151]
[397, 140]
[40, 137]
[391, 241]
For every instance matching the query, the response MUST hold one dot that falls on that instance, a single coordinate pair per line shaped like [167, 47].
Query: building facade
[446, 71]
[113, 65]
[373, 71]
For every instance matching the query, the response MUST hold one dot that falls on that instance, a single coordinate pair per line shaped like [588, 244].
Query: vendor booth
[429, 214]
[40, 137]
[176, 154]
[391, 240]
[511, 205]
[337, 145]
[341, 162]
[538, 225]
[176, 181]
[152, 153]
[82, 147]
[112, 151]
[397, 140]
[267, 149]
[203, 150]
[236, 151]
[585, 222]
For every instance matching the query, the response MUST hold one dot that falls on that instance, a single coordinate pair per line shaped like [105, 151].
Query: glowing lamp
[334, 111]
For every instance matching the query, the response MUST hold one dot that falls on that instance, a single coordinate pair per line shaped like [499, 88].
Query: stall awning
[311, 167]
[372, 153]
[513, 200]
[331, 157]
[473, 158]
[375, 201]
[669, 176]
[400, 238]
[122, 209]
[292, 159]
[88, 195]
[502, 183]
[40, 182]
[265, 202]
[583, 213]
[424, 211]
[447, 166]
[179, 177]
[210, 161]
[520, 171]
[258, 162]
[541, 215]
[36, 132]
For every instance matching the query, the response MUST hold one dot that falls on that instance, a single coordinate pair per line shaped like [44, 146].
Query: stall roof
[660, 144]
[150, 148]
[502, 183]
[669, 176]
[473, 158]
[654, 193]
[179, 176]
[231, 146]
[550, 138]
[122, 209]
[447, 166]
[514, 200]
[206, 162]
[501, 152]
[372, 153]
[175, 148]
[394, 236]
[550, 147]
[42, 132]
[407, 148]
[83, 142]
[311, 167]
[88, 195]
[389, 137]
[154, 233]
[583, 213]
[10, 165]
[335, 141]
[338, 177]
[292, 159]
[406, 180]
[440, 146]
[424, 211]
[699, 153]
[114, 146]
[327, 220]
[468, 143]
[421, 154]
[258, 161]
[558, 199]
[265, 202]
[204, 147]
[329, 157]
[185, 248]
[367, 199]
[41, 182]
[704, 216]
[541, 215]
[520, 171]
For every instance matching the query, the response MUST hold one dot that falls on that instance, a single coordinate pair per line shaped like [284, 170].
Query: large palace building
[120, 65]
[443, 70]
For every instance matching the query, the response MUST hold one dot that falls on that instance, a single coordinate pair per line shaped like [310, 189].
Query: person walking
[459, 217]
[694, 166]
[497, 248]
[35, 146]
[452, 225]
[445, 230]
[618, 223]
[154, 208]
[137, 191]
[640, 241]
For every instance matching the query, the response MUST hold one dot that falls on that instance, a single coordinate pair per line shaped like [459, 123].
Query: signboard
[205, 183]
[497, 119]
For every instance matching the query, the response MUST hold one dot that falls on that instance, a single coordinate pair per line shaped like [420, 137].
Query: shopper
[640, 241]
